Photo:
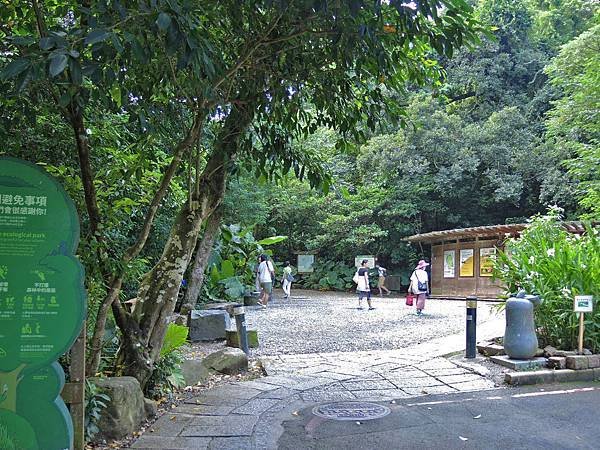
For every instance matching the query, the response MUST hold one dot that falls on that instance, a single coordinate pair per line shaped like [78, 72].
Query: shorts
[362, 294]
[267, 286]
[381, 282]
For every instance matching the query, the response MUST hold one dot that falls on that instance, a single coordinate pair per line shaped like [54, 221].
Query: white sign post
[581, 305]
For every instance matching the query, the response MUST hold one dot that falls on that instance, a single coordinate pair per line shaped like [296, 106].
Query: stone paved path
[248, 415]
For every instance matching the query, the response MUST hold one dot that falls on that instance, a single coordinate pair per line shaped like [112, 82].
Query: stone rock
[151, 407]
[194, 371]
[233, 338]
[564, 353]
[549, 351]
[208, 325]
[229, 361]
[126, 409]
[593, 361]
[557, 362]
[490, 349]
[587, 351]
[577, 362]
[539, 352]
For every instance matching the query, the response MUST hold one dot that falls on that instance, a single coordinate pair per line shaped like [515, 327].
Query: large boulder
[229, 361]
[126, 409]
[194, 371]
[208, 325]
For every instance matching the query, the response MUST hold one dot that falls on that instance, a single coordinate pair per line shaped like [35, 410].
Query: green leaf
[272, 240]
[115, 94]
[15, 68]
[163, 21]
[227, 270]
[46, 43]
[96, 36]
[57, 64]
[175, 337]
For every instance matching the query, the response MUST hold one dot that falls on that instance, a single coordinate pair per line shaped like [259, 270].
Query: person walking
[265, 280]
[286, 281]
[363, 288]
[419, 285]
[382, 272]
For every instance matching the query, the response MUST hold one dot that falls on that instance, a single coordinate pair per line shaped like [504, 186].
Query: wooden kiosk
[461, 259]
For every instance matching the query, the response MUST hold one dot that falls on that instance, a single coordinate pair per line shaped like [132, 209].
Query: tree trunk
[158, 290]
[95, 344]
[202, 255]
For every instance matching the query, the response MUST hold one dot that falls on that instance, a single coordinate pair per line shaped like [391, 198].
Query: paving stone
[326, 396]
[476, 385]
[593, 361]
[425, 390]
[335, 375]
[215, 400]
[577, 362]
[279, 393]
[574, 375]
[232, 443]
[256, 406]
[234, 391]
[174, 443]
[446, 371]
[415, 382]
[437, 363]
[407, 372]
[533, 377]
[557, 362]
[462, 378]
[285, 380]
[312, 369]
[259, 385]
[203, 410]
[169, 425]
[238, 425]
[361, 385]
[381, 394]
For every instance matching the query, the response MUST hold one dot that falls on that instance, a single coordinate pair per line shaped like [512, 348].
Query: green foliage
[95, 402]
[329, 276]
[548, 261]
[175, 337]
[231, 269]
[574, 121]
[167, 375]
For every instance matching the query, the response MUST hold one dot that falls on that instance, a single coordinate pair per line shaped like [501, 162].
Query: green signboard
[42, 306]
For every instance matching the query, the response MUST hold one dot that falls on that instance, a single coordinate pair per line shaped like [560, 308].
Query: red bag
[410, 298]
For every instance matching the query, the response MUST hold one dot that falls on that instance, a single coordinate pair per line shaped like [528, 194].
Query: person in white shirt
[419, 285]
[286, 281]
[265, 280]
[363, 288]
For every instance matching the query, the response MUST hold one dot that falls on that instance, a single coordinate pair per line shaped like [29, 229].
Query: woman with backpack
[363, 289]
[419, 285]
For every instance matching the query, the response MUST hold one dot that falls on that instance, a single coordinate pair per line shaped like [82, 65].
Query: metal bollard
[240, 323]
[471, 350]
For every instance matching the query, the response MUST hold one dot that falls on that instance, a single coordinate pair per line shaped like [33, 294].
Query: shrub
[556, 265]
[167, 375]
[329, 276]
[95, 402]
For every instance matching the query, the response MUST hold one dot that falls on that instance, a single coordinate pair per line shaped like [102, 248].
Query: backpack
[355, 277]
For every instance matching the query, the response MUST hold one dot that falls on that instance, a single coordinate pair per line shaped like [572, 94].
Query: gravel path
[314, 322]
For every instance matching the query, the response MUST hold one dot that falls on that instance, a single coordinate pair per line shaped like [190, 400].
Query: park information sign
[42, 305]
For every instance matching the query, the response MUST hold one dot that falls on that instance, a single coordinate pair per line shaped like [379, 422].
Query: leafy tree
[573, 121]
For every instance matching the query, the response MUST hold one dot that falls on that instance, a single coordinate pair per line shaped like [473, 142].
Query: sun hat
[421, 264]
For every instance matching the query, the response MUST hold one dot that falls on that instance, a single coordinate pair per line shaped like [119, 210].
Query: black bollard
[240, 323]
[471, 327]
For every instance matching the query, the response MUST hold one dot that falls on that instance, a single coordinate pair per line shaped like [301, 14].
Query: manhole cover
[351, 411]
